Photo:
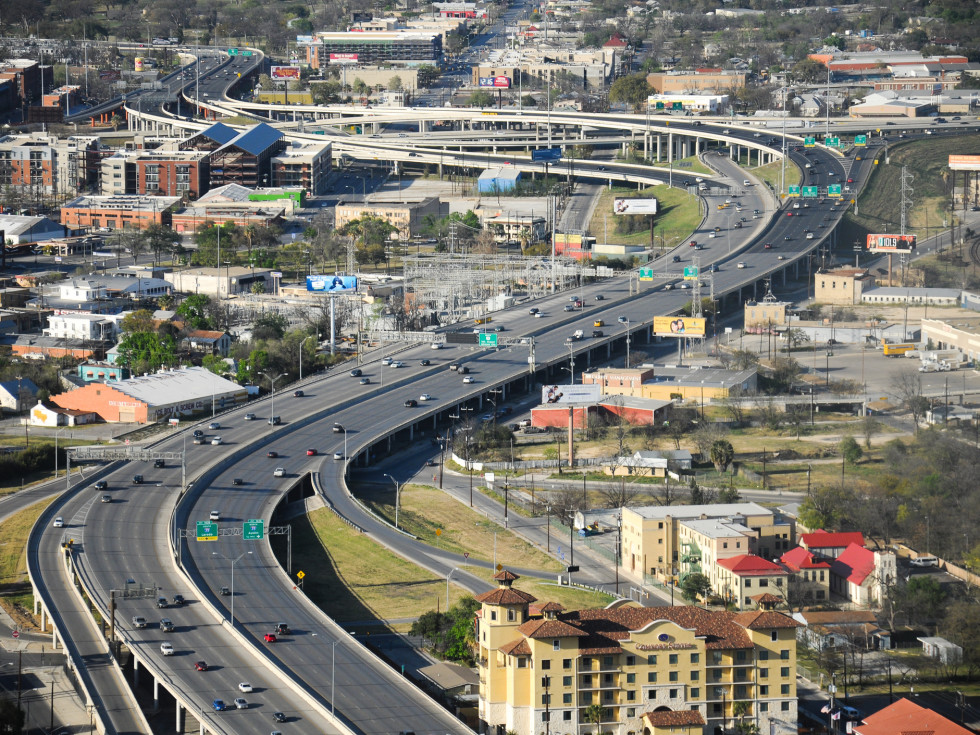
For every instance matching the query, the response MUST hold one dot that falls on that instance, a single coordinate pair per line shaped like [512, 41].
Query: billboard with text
[964, 163]
[891, 243]
[497, 82]
[571, 393]
[343, 58]
[331, 284]
[634, 206]
[678, 326]
[284, 73]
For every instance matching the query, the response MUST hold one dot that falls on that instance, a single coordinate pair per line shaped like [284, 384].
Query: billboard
[964, 163]
[891, 243]
[634, 206]
[343, 58]
[546, 154]
[284, 73]
[498, 82]
[570, 393]
[674, 326]
[331, 284]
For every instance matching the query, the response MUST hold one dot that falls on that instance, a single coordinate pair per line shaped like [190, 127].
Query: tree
[194, 309]
[159, 240]
[632, 90]
[722, 453]
[694, 586]
[395, 84]
[908, 386]
[621, 496]
[271, 325]
[785, 372]
[808, 71]
[850, 450]
[480, 98]
[143, 348]
[593, 714]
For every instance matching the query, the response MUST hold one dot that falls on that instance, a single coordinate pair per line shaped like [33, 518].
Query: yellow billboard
[675, 326]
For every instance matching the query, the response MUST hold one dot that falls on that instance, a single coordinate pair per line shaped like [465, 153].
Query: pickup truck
[577, 335]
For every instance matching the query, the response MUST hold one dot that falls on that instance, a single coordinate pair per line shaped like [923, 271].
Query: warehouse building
[155, 397]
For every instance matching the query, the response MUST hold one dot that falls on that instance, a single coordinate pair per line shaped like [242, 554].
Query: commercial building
[19, 230]
[303, 166]
[247, 158]
[664, 383]
[498, 180]
[407, 216]
[711, 103]
[905, 716]
[399, 48]
[843, 286]
[188, 219]
[651, 537]
[961, 333]
[157, 172]
[85, 327]
[38, 163]
[150, 398]
[18, 394]
[118, 212]
[542, 671]
[713, 81]
[510, 228]
[221, 282]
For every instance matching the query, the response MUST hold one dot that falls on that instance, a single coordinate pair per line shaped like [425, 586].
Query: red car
[272, 454]
[201, 666]
[310, 452]
[767, 246]
[694, 243]
[270, 638]
[789, 214]
[850, 181]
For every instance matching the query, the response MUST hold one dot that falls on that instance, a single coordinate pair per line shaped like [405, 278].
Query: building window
[748, 583]
[774, 636]
[672, 659]
[695, 658]
[556, 645]
[630, 696]
[672, 676]
[521, 662]
[651, 660]
[493, 615]
[784, 654]
[739, 655]
[566, 698]
[763, 706]
[631, 660]
[763, 673]
[545, 665]
[566, 663]
[544, 716]
[764, 690]
[673, 694]
[784, 688]
[566, 681]
[763, 655]
[651, 677]
[784, 706]
[631, 712]
[566, 715]
[631, 678]
[784, 671]
[511, 615]
[607, 662]
[695, 693]
[740, 692]
[586, 662]
[763, 582]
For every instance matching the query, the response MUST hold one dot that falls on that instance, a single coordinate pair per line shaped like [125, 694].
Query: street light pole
[272, 381]
[627, 343]
[57, 434]
[448, 577]
[333, 671]
[398, 489]
[233, 563]
[571, 360]
[301, 355]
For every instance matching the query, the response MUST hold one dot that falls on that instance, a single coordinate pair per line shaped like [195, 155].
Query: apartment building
[303, 166]
[44, 164]
[118, 212]
[407, 216]
[166, 173]
[542, 668]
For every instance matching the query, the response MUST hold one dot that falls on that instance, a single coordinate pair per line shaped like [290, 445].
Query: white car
[240, 703]
[712, 234]
[279, 472]
[216, 441]
[469, 379]
[167, 649]
[245, 688]
[214, 425]
[386, 361]
[741, 264]
[435, 346]
[425, 397]
[59, 522]
[539, 315]
[397, 364]
[338, 455]
[214, 515]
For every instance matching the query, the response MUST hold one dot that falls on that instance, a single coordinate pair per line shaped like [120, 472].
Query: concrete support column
[658, 146]
[44, 618]
[411, 432]
[179, 724]
[54, 638]
[136, 672]
[156, 693]
[670, 148]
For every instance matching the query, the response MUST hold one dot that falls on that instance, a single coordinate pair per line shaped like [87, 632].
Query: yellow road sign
[300, 575]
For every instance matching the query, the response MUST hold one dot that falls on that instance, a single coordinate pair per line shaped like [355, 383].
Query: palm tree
[593, 713]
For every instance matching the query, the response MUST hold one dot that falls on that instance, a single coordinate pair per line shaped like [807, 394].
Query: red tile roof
[516, 648]
[608, 627]
[668, 719]
[549, 629]
[505, 575]
[552, 607]
[505, 596]
[799, 558]
[750, 565]
[765, 620]
[854, 564]
[905, 717]
[766, 598]
[821, 539]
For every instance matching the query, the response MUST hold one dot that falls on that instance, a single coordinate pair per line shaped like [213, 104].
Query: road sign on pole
[809, 142]
[794, 191]
[646, 274]
[832, 142]
[207, 531]
[861, 140]
[811, 191]
[834, 190]
[253, 529]
[300, 575]
[233, 52]
[690, 272]
[488, 340]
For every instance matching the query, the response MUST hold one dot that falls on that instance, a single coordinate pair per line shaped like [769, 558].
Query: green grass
[691, 164]
[772, 174]
[679, 215]
[15, 592]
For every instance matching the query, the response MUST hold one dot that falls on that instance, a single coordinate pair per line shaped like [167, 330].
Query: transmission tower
[906, 200]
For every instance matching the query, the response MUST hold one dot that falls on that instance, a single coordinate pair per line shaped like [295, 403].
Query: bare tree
[706, 434]
[564, 502]
[735, 406]
[869, 426]
[908, 386]
[621, 496]
[772, 416]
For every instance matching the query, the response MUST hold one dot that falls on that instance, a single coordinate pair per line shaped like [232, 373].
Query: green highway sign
[690, 272]
[488, 340]
[834, 190]
[794, 191]
[809, 142]
[646, 274]
[233, 52]
[246, 53]
[832, 142]
[860, 140]
[253, 529]
[811, 191]
[207, 531]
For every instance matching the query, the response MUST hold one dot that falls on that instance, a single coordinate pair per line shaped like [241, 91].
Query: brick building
[118, 212]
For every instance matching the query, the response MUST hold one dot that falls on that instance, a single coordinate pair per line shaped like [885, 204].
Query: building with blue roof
[246, 159]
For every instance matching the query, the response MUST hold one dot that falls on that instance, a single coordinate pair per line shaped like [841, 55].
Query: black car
[298, 394]
[424, 363]
[599, 297]
[278, 717]
[137, 479]
[355, 373]
[676, 259]
[596, 332]
[237, 481]
[178, 600]
[198, 432]
[158, 463]
[102, 485]
[411, 403]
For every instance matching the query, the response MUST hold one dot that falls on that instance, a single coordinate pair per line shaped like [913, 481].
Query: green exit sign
[207, 531]
[233, 52]
[794, 191]
[832, 142]
[834, 190]
[690, 272]
[809, 142]
[488, 340]
[811, 191]
[646, 274]
[253, 529]
[860, 140]
[246, 53]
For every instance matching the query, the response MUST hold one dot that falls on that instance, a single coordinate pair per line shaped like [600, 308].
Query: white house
[81, 326]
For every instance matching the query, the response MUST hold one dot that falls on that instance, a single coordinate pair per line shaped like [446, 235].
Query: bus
[483, 319]
[898, 349]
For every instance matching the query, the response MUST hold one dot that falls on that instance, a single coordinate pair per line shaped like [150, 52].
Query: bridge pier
[54, 638]
[179, 724]
[156, 694]
[136, 672]
[44, 619]
[658, 147]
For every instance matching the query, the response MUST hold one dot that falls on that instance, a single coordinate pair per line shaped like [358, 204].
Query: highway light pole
[301, 354]
[272, 381]
[398, 490]
[448, 577]
[627, 343]
[571, 360]
[333, 671]
[233, 563]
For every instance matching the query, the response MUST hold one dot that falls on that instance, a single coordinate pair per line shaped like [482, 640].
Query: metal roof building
[156, 396]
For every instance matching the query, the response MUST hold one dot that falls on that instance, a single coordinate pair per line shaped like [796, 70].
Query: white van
[924, 561]
[746, 182]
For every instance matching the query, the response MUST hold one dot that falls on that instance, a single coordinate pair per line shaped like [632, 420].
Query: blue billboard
[546, 154]
[331, 284]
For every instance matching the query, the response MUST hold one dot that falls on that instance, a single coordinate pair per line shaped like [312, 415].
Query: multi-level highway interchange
[318, 674]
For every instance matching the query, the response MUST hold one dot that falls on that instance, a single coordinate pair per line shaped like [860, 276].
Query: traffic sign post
[690, 272]
[809, 142]
[488, 340]
[834, 190]
[833, 142]
[207, 531]
[646, 274]
[794, 191]
[811, 191]
[861, 140]
[253, 529]
[233, 52]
